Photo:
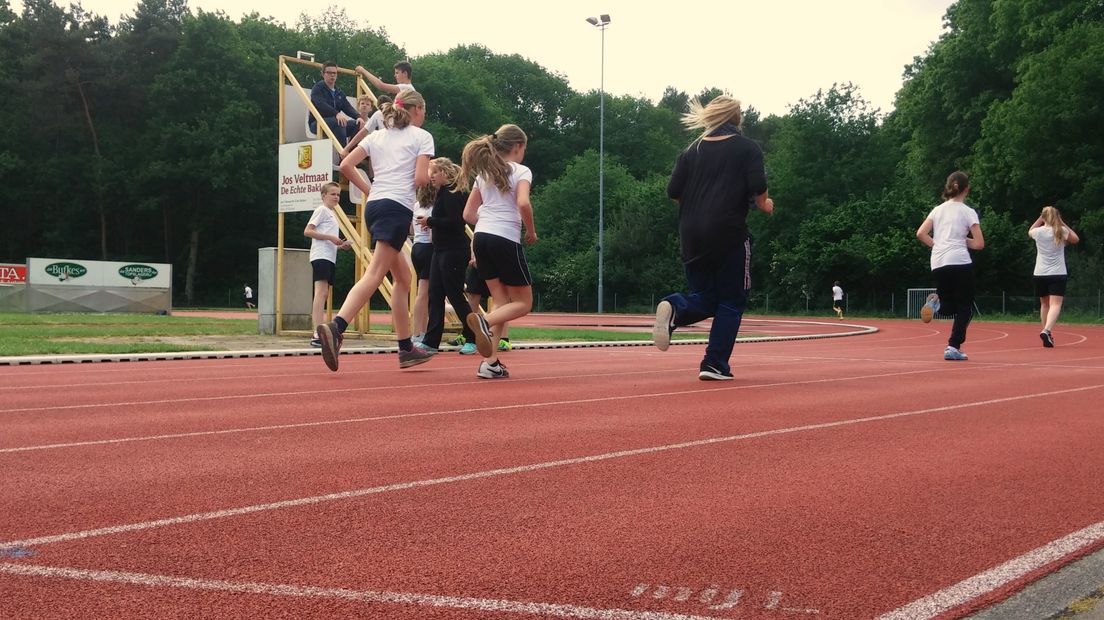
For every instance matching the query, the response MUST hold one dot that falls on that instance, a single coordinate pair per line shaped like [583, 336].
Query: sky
[769, 54]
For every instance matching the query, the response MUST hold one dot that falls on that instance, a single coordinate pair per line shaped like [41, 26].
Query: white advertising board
[304, 168]
[71, 272]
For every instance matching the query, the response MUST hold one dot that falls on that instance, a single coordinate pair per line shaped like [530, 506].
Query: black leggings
[446, 279]
[955, 285]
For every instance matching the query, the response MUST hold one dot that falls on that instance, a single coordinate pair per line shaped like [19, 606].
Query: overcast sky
[769, 53]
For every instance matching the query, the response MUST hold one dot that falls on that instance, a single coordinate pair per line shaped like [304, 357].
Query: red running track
[842, 478]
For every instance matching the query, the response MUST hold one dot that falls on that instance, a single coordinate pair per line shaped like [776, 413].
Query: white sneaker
[664, 325]
[931, 307]
[952, 354]
[487, 371]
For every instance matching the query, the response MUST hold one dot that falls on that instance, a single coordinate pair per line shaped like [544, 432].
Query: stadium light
[601, 22]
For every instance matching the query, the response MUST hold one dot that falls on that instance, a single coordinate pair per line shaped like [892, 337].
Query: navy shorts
[421, 254]
[474, 284]
[499, 258]
[323, 270]
[1050, 285]
[388, 221]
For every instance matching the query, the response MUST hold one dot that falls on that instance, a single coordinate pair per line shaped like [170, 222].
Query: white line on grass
[969, 589]
[487, 605]
[507, 471]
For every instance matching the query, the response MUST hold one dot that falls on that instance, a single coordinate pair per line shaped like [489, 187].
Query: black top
[714, 182]
[447, 219]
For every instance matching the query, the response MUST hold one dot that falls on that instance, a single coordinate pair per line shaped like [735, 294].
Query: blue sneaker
[952, 354]
[468, 349]
[930, 309]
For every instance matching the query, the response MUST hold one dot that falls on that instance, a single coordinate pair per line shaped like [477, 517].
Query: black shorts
[1050, 285]
[421, 254]
[474, 284]
[323, 270]
[388, 221]
[499, 258]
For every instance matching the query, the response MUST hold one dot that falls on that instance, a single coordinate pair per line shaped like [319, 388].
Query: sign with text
[304, 168]
[12, 274]
[98, 273]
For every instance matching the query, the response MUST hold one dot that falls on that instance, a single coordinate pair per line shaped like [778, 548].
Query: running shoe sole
[1048, 340]
[330, 348]
[661, 331]
[482, 334]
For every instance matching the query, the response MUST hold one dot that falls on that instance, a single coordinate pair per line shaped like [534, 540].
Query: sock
[406, 345]
[494, 365]
[341, 323]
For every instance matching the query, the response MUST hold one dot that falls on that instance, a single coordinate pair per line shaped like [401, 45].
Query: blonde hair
[722, 109]
[397, 114]
[1051, 217]
[485, 156]
[427, 193]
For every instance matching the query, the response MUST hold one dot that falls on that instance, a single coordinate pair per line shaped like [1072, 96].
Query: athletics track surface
[842, 478]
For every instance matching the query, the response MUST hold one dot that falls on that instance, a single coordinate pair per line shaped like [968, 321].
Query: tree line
[155, 139]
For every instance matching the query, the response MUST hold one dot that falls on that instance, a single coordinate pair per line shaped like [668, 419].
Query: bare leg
[421, 307]
[1055, 309]
[385, 258]
[318, 307]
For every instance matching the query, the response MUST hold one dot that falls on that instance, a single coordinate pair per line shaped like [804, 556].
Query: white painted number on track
[708, 598]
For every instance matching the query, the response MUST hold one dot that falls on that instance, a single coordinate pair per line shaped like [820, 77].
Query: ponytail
[957, 183]
[485, 156]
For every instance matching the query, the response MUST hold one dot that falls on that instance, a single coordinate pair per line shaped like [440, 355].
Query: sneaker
[497, 371]
[316, 342]
[415, 356]
[952, 354]
[417, 339]
[664, 325]
[330, 338]
[930, 309]
[711, 373]
[504, 345]
[1048, 340]
[458, 341]
[483, 336]
[468, 349]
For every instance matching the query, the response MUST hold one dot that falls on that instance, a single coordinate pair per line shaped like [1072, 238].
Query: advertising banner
[71, 272]
[304, 168]
[12, 274]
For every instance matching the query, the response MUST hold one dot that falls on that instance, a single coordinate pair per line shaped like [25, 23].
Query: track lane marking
[506, 471]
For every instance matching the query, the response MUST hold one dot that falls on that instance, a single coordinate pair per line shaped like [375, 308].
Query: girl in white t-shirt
[325, 236]
[400, 157]
[421, 255]
[499, 207]
[1051, 236]
[951, 230]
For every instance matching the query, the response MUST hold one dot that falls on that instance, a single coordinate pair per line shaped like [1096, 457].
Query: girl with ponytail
[1051, 236]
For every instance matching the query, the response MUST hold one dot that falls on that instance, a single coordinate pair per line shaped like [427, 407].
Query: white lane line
[556, 610]
[419, 414]
[508, 471]
[969, 589]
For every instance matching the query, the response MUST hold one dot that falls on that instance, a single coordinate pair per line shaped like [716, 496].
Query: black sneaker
[483, 336]
[316, 342]
[664, 325]
[1048, 340]
[710, 373]
[330, 338]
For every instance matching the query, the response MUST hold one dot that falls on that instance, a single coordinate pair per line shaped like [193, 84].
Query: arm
[1072, 238]
[525, 208]
[471, 209]
[347, 107]
[378, 83]
[924, 233]
[320, 101]
[312, 232]
[348, 168]
[764, 203]
[451, 210]
[1038, 223]
[421, 171]
[976, 241]
[354, 141]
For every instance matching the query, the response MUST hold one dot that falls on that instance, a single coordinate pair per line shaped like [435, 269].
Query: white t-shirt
[422, 236]
[375, 121]
[951, 223]
[324, 222]
[499, 215]
[837, 293]
[248, 293]
[1050, 259]
[394, 153]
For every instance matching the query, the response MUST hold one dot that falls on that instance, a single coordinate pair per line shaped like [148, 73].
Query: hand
[530, 237]
[360, 122]
[768, 206]
[361, 70]
[345, 246]
[471, 261]
[341, 118]
[422, 222]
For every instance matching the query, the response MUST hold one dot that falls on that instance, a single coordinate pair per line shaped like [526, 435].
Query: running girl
[1051, 236]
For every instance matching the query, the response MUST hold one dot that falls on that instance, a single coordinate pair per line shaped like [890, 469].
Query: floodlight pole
[601, 22]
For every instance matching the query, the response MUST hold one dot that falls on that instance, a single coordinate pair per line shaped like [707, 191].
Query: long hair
[722, 109]
[485, 156]
[427, 193]
[1051, 217]
[397, 114]
[957, 182]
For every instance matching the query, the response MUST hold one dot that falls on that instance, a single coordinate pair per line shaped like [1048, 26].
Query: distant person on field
[1051, 236]
[326, 240]
[338, 114]
[400, 156]
[403, 72]
[951, 230]
[249, 297]
[714, 182]
[837, 298]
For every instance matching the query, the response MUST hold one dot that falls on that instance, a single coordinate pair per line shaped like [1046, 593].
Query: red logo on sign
[13, 274]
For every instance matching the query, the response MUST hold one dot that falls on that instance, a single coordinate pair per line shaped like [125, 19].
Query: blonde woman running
[1051, 236]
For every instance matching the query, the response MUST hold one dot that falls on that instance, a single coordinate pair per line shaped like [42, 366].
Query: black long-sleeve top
[447, 219]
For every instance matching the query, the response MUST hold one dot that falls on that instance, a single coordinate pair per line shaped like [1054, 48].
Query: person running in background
[951, 230]
[400, 156]
[1051, 236]
[499, 208]
[714, 182]
[837, 298]
[249, 297]
[451, 250]
[325, 236]
[421, 255]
